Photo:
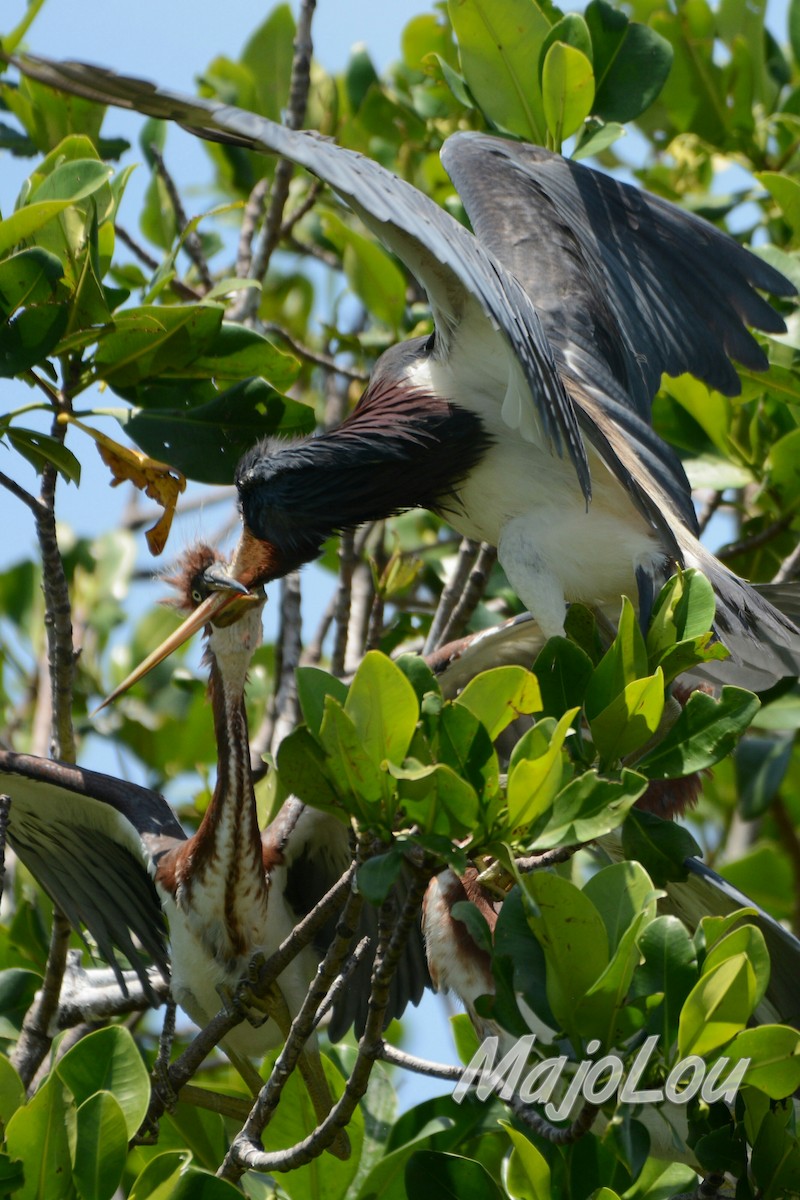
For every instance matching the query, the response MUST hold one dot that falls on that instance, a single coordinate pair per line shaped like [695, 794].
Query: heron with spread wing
[524, 418]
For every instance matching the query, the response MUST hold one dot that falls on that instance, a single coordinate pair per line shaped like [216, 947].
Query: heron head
[209, 592]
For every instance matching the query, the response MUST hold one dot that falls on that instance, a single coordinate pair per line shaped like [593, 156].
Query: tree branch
[191, 242]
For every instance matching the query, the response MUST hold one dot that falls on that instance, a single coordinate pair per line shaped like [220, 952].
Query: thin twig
[253, 212]
[789, 567]
[191, 242]
[451, 593]
[311, 250]
[288, 650]
[476, 586]
[295, 113]
[548, 858]
[344, 594]
[314, 356]
[362, 592]
[421, 1066]
[757, 539]
[313, 651]
[708, 510]
[246, 1152]
[35, 1038]
[555, 1134]
[12, 486]
[179, 288]
[305, 206]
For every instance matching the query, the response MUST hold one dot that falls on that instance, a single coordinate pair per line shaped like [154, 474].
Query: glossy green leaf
[567, 90]
[353, 769]
[377, 876]
[12, 1091]
[572, 934]
[29, 277]
[631, 63]
[462, 742]
[499, 45]
[528, 1176]
[774, 1053]
[749, 940]
[620, 892]
[785, 191]
[630, 720]
[499, 696]
[160, 1176]
[206, 440]
[17, 989]
[719, 1005]
[534, 782]
[706, 730]
[109, 1060]
[40, 449]
[669, 968]
[683, 610]
[419, 675]
[37, 1134]
[383, 707]
[624, 662]
[268, 56]
[30, 336]
[660, 846]
[240, 353]
[313, 685]
[25, 222]
[152, 339]
[101, 1147]
[563, 671]
[438, 800]
[588, 807]
[448, 1177]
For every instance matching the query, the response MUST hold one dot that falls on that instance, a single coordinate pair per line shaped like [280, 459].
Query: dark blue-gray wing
[621, 279]
[454, 268]
[90, 840]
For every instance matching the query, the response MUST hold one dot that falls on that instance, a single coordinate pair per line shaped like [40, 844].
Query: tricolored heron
[524, 419]
[112, 855]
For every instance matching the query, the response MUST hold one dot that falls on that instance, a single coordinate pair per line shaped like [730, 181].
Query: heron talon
[162, 1085]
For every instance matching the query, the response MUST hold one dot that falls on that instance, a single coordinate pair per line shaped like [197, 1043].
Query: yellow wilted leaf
[161, 482]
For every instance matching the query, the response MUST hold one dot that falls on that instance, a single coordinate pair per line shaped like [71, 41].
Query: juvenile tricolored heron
[229, 891]
[524, 418]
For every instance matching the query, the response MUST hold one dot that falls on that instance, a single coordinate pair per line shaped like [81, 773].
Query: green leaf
[206, 440]
[563, 671]
[719, 1005]
[683, 610]
[620, 892]
[528, 1175]
[669, 968]
[378, 875]
[774, 1053]
[438, 799]
[109, 1060]
[268, 56]
[17, 989]
[474, 920]
[152, 339]
[784, 190]
[101, 1147]
[313, 685]
[588, 807]
[30, 277]
[419, 675]
[534, 782]
[240, 353]
[571, 932]
[706, 730]
[660, 846]
[354, 770]
[431, 1173]
[383, 707]
[160, 1176]
[371, 272]
[12, 1091]
[303, 770]
[499, 696]
[37, 1134]
[747, 940]
[631, 63]
[27, 221]
[624, 661]
[630, 720]
[567, 90]
[30, 337]
[40, 449]
[499, 43]
[462, 743]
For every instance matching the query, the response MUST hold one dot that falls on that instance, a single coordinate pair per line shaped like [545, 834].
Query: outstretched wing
[462, 281]
[623, 281]
[90, 840]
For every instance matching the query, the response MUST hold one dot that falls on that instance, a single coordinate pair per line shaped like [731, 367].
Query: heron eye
[197, 595]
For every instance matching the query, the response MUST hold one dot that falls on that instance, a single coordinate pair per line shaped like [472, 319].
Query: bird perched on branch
[113, 856]
[524, 418]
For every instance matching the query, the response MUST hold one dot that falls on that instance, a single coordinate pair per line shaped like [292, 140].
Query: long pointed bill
[209, 608]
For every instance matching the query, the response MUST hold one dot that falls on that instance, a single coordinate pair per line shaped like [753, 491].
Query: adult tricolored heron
[524, 418]
[113, 856]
